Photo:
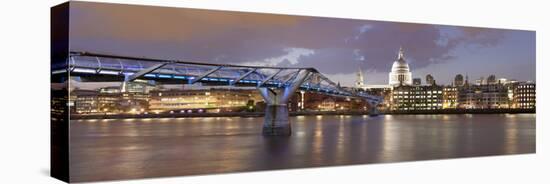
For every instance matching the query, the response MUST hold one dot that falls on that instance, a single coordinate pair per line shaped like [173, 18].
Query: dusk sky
[336, 47]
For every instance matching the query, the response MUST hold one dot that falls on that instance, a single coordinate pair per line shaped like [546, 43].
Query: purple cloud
[334, 46]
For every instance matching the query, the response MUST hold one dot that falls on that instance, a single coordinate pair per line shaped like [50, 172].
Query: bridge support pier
[276, 121]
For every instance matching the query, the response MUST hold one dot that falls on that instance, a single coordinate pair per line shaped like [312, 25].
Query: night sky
[336, 47]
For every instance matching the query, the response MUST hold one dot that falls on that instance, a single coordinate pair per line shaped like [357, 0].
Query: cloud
[334, 46]
[291, 57]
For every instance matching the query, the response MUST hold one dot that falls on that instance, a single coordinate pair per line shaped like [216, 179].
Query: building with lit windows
[85, 101]
[524, 95]
[327, 104]
[133, 102]
[134, 96]
[108, 102]
[138, 86]
[411, 98]
[484, 96]
[321, 102]
[214, 100]
[450, 96]
[111, 89]
[385, 92]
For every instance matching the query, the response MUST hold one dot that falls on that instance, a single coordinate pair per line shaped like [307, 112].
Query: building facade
[85, 101]
[484, 96]
[411, 98]
[450, 96]
[383, 91]
[524, 95]
[430, 80]
[417, 81]
[459, 80]
[212, 99]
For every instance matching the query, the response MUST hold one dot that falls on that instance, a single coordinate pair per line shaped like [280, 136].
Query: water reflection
[135, 148]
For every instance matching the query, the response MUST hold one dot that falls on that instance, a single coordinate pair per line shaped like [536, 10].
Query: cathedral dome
[400, 65]
[400, 73]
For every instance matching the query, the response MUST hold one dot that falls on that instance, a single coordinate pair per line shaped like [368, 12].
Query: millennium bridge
[275, 84]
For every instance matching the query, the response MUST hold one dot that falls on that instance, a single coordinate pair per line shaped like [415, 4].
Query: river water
[138, 148]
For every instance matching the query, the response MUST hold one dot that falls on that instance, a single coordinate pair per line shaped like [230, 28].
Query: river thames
[137, 148]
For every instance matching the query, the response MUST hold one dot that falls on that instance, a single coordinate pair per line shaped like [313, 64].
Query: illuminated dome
[400, 73]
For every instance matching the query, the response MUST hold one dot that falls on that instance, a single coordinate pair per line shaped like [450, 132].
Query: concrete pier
[276, 122]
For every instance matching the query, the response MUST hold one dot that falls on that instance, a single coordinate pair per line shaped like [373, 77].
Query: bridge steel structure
[275, 84]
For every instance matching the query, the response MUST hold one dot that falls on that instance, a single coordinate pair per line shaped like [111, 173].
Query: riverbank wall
[300, 113]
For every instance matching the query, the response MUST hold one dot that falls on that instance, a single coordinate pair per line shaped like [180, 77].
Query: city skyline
[281, 40]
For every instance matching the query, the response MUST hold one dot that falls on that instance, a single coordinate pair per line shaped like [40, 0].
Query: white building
[400, 73]
[359, 81]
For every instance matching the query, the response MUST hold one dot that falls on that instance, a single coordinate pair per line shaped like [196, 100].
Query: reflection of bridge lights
[510, 116]
[319, 117]
[318, 133]
[512, 134]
